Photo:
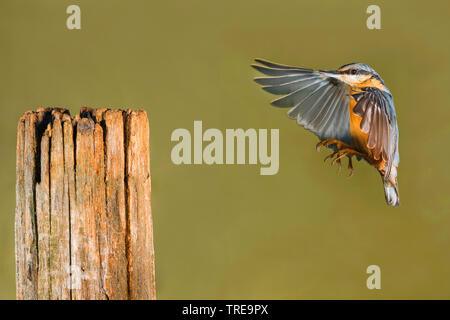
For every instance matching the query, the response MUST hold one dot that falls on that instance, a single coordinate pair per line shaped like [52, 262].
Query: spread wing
[379, 120]
[318, 101]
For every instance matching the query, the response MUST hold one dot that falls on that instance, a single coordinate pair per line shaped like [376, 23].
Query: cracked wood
[83, 218]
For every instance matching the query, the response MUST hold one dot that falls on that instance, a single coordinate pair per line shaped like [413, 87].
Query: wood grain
[43, 218]
[116, 283]
[83, 219]
[86, 282]
[20, 208]
[59, 251]
[25, 224]
[140, 228]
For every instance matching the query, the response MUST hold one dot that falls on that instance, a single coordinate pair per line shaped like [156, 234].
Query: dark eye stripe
[350, 71]
[356, 71]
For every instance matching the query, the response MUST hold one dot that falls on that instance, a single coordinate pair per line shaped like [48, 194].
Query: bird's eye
[353, 71]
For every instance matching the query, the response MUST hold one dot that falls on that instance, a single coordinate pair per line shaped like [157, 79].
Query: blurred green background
[224, 232]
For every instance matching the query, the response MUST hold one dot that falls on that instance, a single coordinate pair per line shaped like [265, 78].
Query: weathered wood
[59, 255]
[140, 229]
[100, 205]
[20, 208]
[43, 218]
[86, 268]
[83, 218]
[69, 187]
[25, 225]
[116, 280]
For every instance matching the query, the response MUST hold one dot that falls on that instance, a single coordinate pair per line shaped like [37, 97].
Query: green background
[225, 231]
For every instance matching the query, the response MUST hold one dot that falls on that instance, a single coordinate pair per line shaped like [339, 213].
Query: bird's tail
[391, 193]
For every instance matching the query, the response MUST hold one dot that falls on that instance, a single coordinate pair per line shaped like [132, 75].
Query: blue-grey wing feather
[379, 121]
[318, 103]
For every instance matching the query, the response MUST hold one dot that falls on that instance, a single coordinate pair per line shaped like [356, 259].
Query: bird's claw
[328, 142]
[350, 167]
[338, 155]
[343, 150]
[330, 156]
[340, 165]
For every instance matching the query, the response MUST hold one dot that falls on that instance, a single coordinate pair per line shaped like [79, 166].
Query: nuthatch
[350, 110]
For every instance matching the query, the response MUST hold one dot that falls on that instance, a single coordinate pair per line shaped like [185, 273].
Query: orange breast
[360, 138]
[372, 82]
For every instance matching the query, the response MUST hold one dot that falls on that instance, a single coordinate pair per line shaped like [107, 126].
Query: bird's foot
[328, 142]
[350, 166]
[346, 152]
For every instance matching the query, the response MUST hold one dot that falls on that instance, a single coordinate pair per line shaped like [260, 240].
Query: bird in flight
[350, 110]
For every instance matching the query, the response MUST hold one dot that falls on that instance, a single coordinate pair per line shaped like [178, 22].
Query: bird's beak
[332, 74]
[350, 80]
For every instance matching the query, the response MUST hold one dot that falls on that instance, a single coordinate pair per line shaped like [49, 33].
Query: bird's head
[359, 75]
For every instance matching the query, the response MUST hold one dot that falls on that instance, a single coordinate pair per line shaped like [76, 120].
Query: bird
[350, 110]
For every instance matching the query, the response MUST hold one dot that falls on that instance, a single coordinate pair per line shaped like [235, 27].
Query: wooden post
[83, 218]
